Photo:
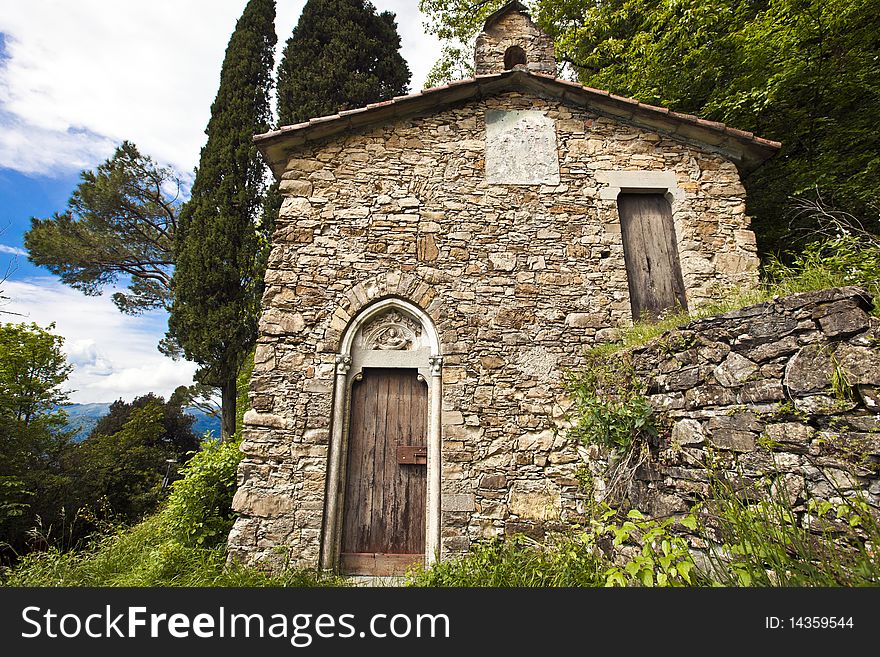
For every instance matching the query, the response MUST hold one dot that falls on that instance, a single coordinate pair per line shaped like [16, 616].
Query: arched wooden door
[383, 525]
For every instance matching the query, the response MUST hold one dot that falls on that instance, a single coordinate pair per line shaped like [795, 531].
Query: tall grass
[762, 543]
[842, 260]
[144, 555]
[517, 562]
[182, 545]
[770, 542]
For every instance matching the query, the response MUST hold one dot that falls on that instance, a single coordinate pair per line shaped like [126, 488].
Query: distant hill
[82, 418]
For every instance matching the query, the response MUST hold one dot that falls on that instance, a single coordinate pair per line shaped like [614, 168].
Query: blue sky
[77, 78]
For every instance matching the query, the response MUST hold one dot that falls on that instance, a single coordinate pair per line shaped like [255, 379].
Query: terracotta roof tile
[571, 90]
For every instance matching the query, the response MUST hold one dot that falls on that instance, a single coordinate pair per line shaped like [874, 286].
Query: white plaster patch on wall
[521, 148]
[536, 362]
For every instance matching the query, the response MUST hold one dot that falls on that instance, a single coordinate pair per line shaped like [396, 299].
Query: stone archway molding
[390, 284]
[431, 368]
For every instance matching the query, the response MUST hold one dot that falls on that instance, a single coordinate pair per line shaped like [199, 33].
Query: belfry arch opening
[513, 57]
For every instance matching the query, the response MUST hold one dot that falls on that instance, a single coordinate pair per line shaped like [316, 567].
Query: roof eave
[744, 148]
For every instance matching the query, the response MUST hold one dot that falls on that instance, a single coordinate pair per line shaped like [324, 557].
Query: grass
[765, 542]
[184, 544]
[147, 555]
[517, 562]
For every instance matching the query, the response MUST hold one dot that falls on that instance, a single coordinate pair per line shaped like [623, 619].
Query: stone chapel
[440, 260]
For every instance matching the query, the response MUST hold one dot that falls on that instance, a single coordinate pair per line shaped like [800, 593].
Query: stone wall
[788, 389]
[518, 279]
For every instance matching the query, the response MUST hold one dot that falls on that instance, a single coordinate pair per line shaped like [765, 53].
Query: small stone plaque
[521, 148]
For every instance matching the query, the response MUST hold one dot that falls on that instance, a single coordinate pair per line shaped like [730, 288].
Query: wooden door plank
[417, 475]
[651, 254]
[384, 504]
[378, 564]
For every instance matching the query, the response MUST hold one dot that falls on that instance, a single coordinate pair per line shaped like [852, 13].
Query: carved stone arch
[387, 334]
[391, 284]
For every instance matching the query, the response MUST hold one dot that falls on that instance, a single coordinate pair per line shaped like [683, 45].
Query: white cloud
[418, 49]
[114, 355]
[12, 250]
[80, 76]
[86, 356]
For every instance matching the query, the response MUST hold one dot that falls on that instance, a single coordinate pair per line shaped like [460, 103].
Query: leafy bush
[146, 555]
[182, 545]
[657, 556]
[610, 407]
[199, 509]
[517, 562]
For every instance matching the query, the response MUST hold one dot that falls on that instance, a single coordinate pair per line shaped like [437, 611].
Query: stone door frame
[349, 365]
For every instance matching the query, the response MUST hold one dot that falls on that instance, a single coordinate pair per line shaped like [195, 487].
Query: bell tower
[511, 40]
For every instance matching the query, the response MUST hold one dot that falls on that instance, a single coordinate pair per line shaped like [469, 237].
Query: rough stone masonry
[787, 390]
[392, 202]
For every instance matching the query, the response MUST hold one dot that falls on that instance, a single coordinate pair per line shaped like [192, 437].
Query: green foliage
[657, 557]
[764, 541]
[661, 559]
[242, 386]
[517, 562]
[756, 537]
[32, 371]
[177, 436]
[199, 509]
[125, 468]
[609, 404]
[842, 260]
[146, 555]
[116, 475]
[341, 55]
[119, 223]
[218, 279]
[803, 72]
[182, 545]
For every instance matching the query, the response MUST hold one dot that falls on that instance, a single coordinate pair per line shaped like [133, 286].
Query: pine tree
[341, 55]
[218, 276]
[119, 224]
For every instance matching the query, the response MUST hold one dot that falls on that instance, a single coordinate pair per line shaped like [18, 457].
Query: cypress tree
[218, 276]
[341, 55]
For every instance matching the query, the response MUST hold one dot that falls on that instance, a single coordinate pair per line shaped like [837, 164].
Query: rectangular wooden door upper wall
[651, 253]
[384, 508]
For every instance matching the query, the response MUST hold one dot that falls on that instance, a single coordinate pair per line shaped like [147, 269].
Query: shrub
[517, 562]
[610, 408]
[199, 509]
[657, 557]
[182, 545]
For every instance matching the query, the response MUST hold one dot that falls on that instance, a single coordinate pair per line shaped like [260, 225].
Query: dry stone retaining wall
[788, 389]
